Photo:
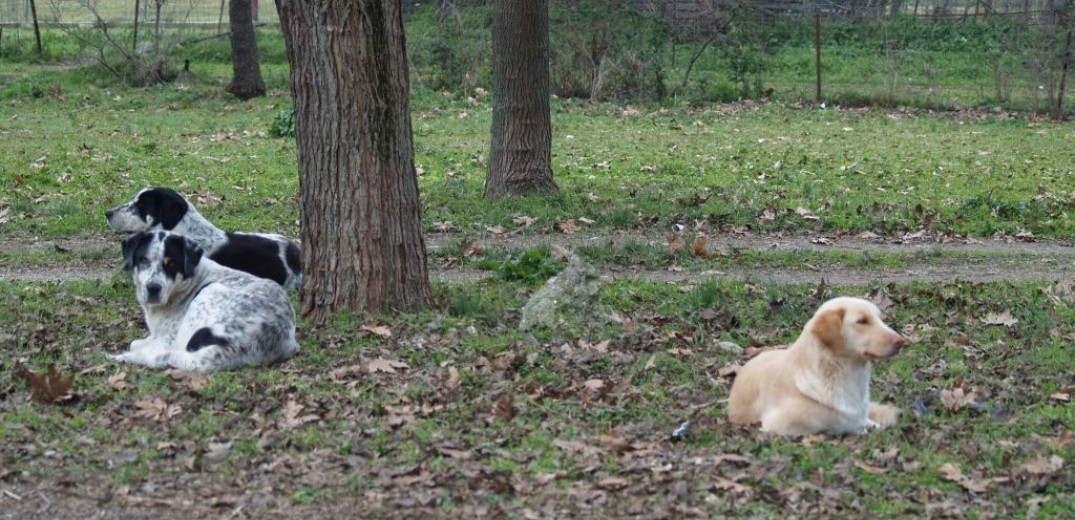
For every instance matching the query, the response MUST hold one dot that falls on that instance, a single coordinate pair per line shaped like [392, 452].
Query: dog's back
[266, 255]
[235, 320]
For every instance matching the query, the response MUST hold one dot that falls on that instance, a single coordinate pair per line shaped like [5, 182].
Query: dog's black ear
[183, 253]
[130, 247]
[828, 328]
[165, 205]
[192, 255]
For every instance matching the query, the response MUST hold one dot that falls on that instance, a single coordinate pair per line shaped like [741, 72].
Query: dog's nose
[899, 342]
[153, 290]
[108, 213]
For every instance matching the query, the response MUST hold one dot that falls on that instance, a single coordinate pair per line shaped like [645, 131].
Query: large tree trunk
[246, 79]
[520, 162]
[361, 220]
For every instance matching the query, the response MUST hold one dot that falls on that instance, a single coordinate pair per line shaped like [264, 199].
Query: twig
[13, 495]
[48, 503]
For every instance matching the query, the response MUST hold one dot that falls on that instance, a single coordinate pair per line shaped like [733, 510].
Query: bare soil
[983, 260]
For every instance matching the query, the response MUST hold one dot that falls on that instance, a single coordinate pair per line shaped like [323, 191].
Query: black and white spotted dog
[201, 315]
[267, 255]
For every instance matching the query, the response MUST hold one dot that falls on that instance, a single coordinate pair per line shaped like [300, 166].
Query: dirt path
[982, 260]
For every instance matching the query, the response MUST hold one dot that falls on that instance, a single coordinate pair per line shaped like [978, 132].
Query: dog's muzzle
[153, 293]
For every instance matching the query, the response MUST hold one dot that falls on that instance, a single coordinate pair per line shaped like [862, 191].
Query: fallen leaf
[724, 484]
[698, 248]
[388, 366]
[445, 227]
[1005, 318]
[578, 447]
[118, 380]
[504, 408]
[874, 470]
[218, 450]
[456, 454]
[1043, 466]
[453, 377]
[805, 213]
[567, 227]
[952, 473]
[594, 384]
[819, 291]
[957, 398]
[523, 220]
[156, 409]
[48, 387]
[1062, 440]
[399, 415]
[674, 243]
[651, 362]
[292, 409]
[613, 483]
[379, 330]
[884, 457]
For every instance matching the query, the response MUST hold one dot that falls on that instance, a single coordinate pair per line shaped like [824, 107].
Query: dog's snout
[899, 342]
[153, 290]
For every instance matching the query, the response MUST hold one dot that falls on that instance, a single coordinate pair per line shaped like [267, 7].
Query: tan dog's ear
[829, 330]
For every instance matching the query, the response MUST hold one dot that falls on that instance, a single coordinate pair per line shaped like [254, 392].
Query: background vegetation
[455, 412]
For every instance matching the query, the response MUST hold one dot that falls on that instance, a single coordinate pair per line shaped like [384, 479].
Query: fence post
[37, 30]
[817, 48]
[134, 40]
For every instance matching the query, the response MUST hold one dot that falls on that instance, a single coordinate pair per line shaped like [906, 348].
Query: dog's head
[151, 209]
[852, 328]
[159, 263]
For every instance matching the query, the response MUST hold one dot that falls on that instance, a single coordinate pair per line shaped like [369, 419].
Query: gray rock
[569, 297]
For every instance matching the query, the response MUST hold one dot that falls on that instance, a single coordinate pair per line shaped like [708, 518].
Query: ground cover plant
[957, 223]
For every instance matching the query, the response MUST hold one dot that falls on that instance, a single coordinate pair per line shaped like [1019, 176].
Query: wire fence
[16, 13]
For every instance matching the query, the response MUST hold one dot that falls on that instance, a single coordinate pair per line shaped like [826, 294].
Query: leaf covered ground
[456, 412]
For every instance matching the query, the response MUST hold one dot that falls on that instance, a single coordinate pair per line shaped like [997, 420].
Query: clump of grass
[530, 267]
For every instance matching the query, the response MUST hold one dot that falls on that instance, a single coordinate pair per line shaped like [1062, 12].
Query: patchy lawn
[455, 412]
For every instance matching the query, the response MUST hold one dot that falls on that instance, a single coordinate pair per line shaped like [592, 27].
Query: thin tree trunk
[246, 79]
[1066, 58]
[520, 159]
[37, 28]
[134, 38]
[361, 221]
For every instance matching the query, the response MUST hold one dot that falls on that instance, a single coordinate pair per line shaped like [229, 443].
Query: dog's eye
[167, 262]
[143, 261]
[863, 321]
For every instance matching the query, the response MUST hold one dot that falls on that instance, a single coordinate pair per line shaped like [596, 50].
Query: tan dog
[821, 383]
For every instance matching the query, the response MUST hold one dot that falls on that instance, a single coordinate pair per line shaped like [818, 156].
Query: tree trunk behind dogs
[362, 246]
[520, 158]
[246, 79]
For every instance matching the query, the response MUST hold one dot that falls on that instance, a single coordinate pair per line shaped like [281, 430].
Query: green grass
[354, 428]
[487, 418]
[65, 161]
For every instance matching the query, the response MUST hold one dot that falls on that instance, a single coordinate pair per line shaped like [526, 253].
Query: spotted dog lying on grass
[821, 383]
[201, 315]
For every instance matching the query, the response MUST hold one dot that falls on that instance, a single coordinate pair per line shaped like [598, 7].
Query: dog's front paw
[140, 344]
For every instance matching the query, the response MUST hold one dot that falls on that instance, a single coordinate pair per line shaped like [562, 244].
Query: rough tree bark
[361, 220]
[520, 161]
[246, 79]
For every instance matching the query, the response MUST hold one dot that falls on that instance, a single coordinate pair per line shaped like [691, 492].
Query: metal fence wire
[15, 13]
